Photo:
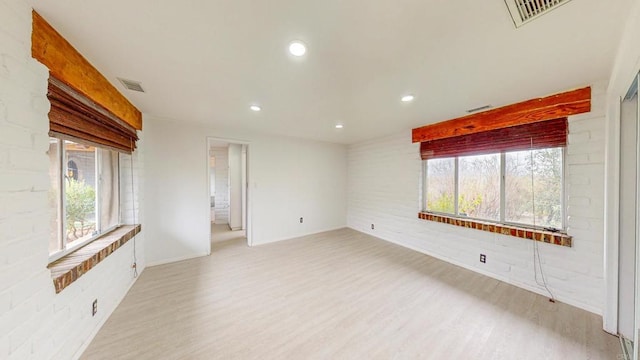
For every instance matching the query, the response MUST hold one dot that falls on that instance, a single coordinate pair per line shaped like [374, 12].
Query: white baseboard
[176, 259]
[299, 236]
[528, 287]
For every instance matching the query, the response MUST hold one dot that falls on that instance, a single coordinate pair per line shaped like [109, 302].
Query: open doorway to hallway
[228, 194]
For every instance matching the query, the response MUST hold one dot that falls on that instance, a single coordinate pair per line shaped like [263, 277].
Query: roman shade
[538, 135]
[78, 118]
[85, 106]
[66, 64]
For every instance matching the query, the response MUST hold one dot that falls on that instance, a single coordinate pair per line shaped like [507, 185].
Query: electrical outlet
[94, 308]
[483, 258]
[373, 227]
[301, 220]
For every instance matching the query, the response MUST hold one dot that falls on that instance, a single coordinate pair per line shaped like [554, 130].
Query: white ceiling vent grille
[132, 85]
[523, 11]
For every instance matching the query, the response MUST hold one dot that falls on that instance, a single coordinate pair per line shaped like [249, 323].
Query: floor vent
[132, 85]
[523, 11]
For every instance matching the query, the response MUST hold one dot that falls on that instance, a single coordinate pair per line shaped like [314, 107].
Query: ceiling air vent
[132, 85]
[523, 11]
[481, 108]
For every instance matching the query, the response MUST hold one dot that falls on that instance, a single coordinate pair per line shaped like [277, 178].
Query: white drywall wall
[235, 186]
[288, 179]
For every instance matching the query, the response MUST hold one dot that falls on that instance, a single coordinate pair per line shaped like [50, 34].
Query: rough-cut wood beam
[526, 112]
[68, 65]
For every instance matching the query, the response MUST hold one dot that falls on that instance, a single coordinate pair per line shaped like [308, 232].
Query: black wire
[536, 250]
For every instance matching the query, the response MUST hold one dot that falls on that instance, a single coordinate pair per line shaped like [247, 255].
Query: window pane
[440, 185]
[109, 190]
[80, 191]
[55, 237]
[544, 188]
[479, 186]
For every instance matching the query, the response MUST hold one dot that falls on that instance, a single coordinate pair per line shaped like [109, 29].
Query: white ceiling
[207, 61]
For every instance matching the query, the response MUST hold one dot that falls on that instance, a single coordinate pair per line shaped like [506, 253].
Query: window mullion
[563, 207]
[63, 189]
[98, 170]
[425, 172]
[455, 189]
[503, 181]
[119, 179]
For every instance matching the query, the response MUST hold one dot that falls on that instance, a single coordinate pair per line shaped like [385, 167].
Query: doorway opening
[228, 192]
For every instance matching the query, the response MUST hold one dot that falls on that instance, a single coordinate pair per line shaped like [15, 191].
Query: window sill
[72, 266]
[555, 238]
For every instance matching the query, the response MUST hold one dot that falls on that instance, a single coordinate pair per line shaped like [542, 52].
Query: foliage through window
[84, 195]
[519, 187]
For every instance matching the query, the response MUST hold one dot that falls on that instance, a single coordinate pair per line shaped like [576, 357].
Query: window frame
[502, 220]
[65, 248]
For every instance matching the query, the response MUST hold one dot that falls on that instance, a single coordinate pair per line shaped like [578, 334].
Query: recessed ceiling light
[407, 98]
[255, 108]
[339, 126]
[297, 48]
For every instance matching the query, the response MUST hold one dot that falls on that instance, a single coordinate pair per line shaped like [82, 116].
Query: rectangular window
[479, 186]
[517, 187]
[534, 178]
[84, 194]
[441, 183]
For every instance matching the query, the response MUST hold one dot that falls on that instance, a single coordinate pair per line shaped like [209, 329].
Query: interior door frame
[636, 332]
[612, 215]
[247, 202]
[612, 203]
[631, 239]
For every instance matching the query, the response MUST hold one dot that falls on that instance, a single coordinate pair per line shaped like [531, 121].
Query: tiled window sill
[549, 237]
[72, 266]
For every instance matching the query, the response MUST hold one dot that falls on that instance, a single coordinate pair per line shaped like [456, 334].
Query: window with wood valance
[74, 116]
[539, 135]
[85, 106]
[502, 170]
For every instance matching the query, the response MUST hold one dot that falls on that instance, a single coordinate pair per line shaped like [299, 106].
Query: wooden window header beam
[66, 64]
[526, 112]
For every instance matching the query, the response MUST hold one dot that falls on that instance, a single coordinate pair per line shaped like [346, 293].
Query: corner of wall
[384, 185]
[35, 322]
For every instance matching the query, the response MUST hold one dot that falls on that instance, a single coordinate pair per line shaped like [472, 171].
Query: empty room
[320, 180]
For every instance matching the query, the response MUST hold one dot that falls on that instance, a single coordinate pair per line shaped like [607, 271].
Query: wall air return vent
[523, 11]
[132, 85]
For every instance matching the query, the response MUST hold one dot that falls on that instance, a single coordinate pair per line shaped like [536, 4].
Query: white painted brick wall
[132, 195]
[222, 184]
[384, 181]
[36, 323]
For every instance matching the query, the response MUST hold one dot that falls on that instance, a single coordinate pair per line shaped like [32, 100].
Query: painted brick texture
[221, 184]
[35, 322]
[384, 184]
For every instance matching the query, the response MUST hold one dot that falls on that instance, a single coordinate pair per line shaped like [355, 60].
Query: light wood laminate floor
[222, 232]
[339, 295]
